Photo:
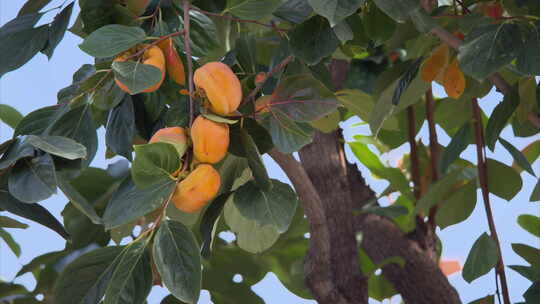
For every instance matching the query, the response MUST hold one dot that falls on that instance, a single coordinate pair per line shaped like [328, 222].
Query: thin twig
[272, 26]
[155, 42]
[415, 168]
[433, 148]
[483, 177]
[187, 47]
[260, 85]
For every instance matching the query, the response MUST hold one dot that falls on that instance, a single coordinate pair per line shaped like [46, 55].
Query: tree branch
[187, 47]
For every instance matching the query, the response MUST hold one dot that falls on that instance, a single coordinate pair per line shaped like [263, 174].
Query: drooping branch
[483, 177]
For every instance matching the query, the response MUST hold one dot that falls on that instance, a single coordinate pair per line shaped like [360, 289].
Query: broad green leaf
[397, 180]
[533, 293]
[33, 180]
[85, 280]
[406, 80]
[96, 14]
[10, 242]
[58, 29]
[531, 273]
[177, 258]
[487, 48]
[34, 212]
[230, 169]
[32, 6]
[458, 144]
[343, 31]
[528, 253]
[129, 203]
[188, 219]
[398, 10]
[500, 117]
[377, 25]
[458, 207]
[507, 187]
[41, 120]
[531, 153]
[252, 9]
[287, 135]
[82, 230]
[137, 77]
[519, 158]
[527, 98]
[481, 259]
[255, 162]
[357, 102]
[154, 163]
[260, 135]
[10, 116]
[8, 222]
[219, 119]
[528, 61]
[18, 149]
[335, 10]
[131, 280]
[19, 45]
[121, 128]
[209, 223]
[328, 123]
[275, 207]
[40, 261]
[302, 98]
[251, 236]
[111, 40]
[313, 40]
[438, 191]
[57, 145]
[203, 32]
[295, 11]
[531, 223]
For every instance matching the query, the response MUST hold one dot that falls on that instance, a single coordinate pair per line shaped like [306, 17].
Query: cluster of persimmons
[206, 140]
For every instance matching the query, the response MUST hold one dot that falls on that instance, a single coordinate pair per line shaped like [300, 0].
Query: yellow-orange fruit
[435, 63]
[175, 66]
[197, 189]
[175, 136]
[449, 267]
[152, 56]
[210, 140]
[454, 80]
[220, 86]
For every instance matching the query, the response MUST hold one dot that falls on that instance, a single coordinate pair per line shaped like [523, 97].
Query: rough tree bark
[330, 189]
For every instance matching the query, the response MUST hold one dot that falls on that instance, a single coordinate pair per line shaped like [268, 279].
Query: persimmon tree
[192, 93]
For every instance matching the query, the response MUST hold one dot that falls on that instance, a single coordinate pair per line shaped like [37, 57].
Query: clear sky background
[35, 85]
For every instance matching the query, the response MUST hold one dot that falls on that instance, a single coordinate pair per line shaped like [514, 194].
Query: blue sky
[35, 85]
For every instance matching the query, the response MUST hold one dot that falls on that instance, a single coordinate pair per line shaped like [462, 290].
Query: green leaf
[230, 169]
[209, 223]
[398, 10]
[14, 246]
[121, 128]
[10, 116]
[535, 195]
[406, 79]
[390, 211]
[295, 11]
[287, 135]
[136, 76]
[8, 222]
[41, 120]
[17, 150]
[507, 187]
[528, 253]
[458, 207]
[129, 203]
[357, 102]
[58, 29]
[260, 135]
[255, 162]
[500, 117]
[252, 9]
[34, 212]
[487, 48]
[531, 273]
[177, 258]
[85, 280]
[42, 260]
[275, 207]
[519, 158]
[251, 236]
[438, 191]
[528, 61]
[57, 145]
[482, 258]
[32, 6]
[313, 40]
[19, 44]
[303, 98]
[533, 293]
[219, 119]
[377, 25]
[335, 10]
[33, 180]
[203, 32]
[154, 163]
[111, 40]
[397, 180]
[82, 230]
[458, 144]
[531, 223]
[131, 281]
[527, 98]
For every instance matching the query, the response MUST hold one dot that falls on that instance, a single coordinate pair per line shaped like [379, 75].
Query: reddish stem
[415, 167]
[433, 148]
[273, 26]
[187, 47]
